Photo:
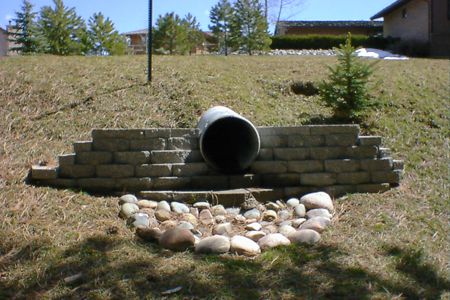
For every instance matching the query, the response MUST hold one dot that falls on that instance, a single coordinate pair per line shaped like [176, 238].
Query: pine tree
[63, 31]
[220, 16]
[24, 30]
[249, 27]
[194, 36]
[103, 38]
[170, 34]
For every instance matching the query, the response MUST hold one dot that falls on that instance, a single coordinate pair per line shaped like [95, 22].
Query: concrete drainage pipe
[228, 142]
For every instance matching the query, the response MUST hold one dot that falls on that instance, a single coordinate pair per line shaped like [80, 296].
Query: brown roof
[390, 8]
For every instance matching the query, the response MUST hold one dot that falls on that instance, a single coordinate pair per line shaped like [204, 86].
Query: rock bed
[245, 230]
[286, 52]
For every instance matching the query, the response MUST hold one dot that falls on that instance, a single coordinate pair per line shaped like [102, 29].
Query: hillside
[386, 245]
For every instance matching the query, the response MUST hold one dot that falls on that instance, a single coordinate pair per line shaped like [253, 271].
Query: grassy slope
[380, 246]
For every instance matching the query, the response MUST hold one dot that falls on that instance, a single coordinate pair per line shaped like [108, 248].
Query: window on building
[404, 13]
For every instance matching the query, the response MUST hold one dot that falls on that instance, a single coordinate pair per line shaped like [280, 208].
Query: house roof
[140, 31]
[330, 24]
[390, 8]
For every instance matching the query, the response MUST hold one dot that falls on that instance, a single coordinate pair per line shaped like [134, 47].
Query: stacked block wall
[293, 160]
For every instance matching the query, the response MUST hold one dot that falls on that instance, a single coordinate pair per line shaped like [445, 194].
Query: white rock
[286, 230]
[318, 224]
[272, 206]
[218, 210]
[293, 202]
[216, 244]
[206, 217]
[300, 211]
[273, 240]
[269, 215]
[244, 246]
[179, 208]
[201, 205]
[185, 225]
[317, 200]
[253, 227]
[255, 235]
[128, 209]
[239, 219]
[305, 236]
[141, 220]
[147, 204]
[220, 219]
[287, 222]
[297, 222]
[222, 229]
[194, 211]
[284, 215]
[252, 214]
[318, 212]
[281, 204]
[128, 199]
[232, 211]
[163, 205]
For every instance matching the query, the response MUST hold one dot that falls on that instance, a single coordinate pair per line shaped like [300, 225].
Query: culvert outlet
[229, 142]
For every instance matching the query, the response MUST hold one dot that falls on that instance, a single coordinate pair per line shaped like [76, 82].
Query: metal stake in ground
[149, 41]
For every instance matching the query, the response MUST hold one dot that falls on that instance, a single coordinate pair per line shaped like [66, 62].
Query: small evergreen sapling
[346, 90]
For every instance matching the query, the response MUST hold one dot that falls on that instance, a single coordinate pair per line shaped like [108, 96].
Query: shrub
[346, 90]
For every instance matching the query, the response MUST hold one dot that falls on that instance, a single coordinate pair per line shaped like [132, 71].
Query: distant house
[328, 27]
[419, 21]
[137, 42]
[4, 44]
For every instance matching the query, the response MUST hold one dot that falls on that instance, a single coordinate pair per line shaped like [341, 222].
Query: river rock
[297, 222]
[194, 211]
[273, 240]
[141, 220]
[128, 199]
[318, 212]
[269, 215]
[206, 217]
[281, 204]
[233, 211]
[293, 202]
[239, 219]
[252, 214]
[147, 204]
[300, 211]
[162, 215]
[201, 205]
[304, 236]
[244, 246]
[220, 219]
[270, 229]
[253, 226]
[286, 230]
[318, 224]
[218, 210]
[222, 229]
[185, 225]
[169, 224]
[128, 209]
[272, 206]
[190, 218]
[179, 208]
[317, 200]
[284, 215]
[163, 205]
[148, 234]
[255, 235]
[287, 222]
[216, 244]
[177, 239]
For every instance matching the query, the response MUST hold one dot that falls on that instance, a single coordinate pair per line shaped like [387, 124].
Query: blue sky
[132, 15]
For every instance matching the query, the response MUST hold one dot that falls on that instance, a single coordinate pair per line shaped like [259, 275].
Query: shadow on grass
[290, 272]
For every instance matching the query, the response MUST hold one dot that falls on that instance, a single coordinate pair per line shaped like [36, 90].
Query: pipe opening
[230, 144]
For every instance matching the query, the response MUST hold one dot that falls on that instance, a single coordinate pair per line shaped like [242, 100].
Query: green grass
[381, 246]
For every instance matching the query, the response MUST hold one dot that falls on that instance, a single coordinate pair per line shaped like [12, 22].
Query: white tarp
[377, 53]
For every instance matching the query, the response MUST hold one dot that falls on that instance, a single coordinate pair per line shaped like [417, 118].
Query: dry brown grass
[391, 245]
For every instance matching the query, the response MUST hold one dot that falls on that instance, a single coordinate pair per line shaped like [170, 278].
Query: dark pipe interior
[230, 145]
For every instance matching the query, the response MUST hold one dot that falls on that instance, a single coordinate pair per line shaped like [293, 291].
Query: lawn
[381, 246]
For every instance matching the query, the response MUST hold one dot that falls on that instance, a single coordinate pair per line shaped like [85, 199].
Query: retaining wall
[292, 161]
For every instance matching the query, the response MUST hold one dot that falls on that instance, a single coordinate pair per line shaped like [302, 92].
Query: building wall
[3, 43]
[329, 30]
[412, 27]
[440, 28]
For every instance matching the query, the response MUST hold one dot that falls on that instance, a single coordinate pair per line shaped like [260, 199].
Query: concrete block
[111, 145]
[191, 197]
[353, 178]
[134, 184]
[283, 130]
[230, 198]
[118, 134]
[362, 152]
[94, 158]
[306, 141]
[291, 153]
[182, 143]
[115, 171]
[77, 171]
[132, 158]
[156, 195]
[280, 180]
[265, 195]
[298, 191]
[148, 144]
[341, 139]
[305, 166]
[209, 182]
[185, 132]
[369, 140]
[244, 181]
[265, 154]
[157, 133]
[97, 184]
[323, 153]
[339, 190]
[392, 177]
[171, 183]
[43, 172]
[175, 156]
[272, 141]
[66, 159]
[333, 129]
[384, 152]
[372, 188]
[62, 183]
[342, 165]
[398, 165]
[376, 164]
[154, 170]
[83, 146]
[268, 167]
[318, 179]
[190, 169]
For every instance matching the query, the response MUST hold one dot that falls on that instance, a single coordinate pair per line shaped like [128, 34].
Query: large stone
[293, 202]
[177, 239]
[300, 210]
[220, 219]
[216, 244]
[253, 226]
[273, 240]
[218, 210]
[148, 234]
[190, 218]
[163, 205]
[141, 220]
[147, 204]
[318, 224]
[244, 246]
[128, 199]
[255, 235]
[304, 236]
[205, 217]
[168, 224]
[185, 225]
[271, 228]
[317, 200]
[162, 215]
[297, 222]
[318, 212]
[128, 209]
[252, 214]
[272, 206]
[269, 215]
[201, 205]
[222, 229]
[179, 208]
[233, 211]
[284, 215]
[286, 230]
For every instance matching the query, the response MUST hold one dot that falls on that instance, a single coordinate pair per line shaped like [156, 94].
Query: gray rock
[318, 212]
[220, 219]
[218, 210]
[163, 205]
[305, 236]
[273, 240]
[201, 205]
[255, 235]
[127, 210]
[148, 234]
[222, 229]
[147, 204]
[216, 244]
[128, 199]
[185, 225]
[206, 217]
[317, 200]
[179, 208]
[253, 227]
[269, 215]
[284, 215]
[297, 222]
[286, 230]
[162, 215]
[252, 214]
[300, 211]
[177, 239]
[141, 220]
[244, 246]
[233, 211]
[293, 202]
[318, 224]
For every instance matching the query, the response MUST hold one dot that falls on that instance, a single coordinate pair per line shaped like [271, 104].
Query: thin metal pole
[149, 41]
